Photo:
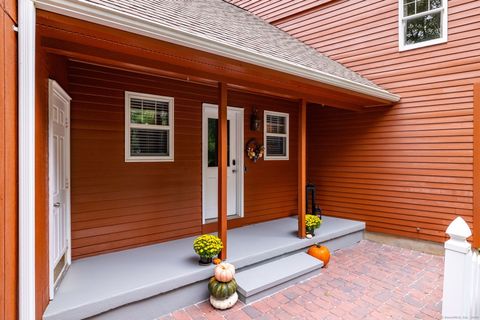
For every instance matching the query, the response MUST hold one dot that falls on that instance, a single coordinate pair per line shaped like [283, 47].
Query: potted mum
[312, 222]
[207, 246]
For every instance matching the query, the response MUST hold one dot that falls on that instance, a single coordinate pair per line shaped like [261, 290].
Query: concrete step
[263, 280]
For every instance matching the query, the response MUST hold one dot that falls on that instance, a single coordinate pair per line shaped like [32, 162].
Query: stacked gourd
[223, 287]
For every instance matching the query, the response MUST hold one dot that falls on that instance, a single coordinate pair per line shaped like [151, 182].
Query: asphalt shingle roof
[224, 22]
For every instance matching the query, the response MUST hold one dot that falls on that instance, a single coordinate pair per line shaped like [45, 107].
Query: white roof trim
[131, 23]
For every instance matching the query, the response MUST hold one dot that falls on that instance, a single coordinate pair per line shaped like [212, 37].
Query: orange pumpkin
[320, 252]
[217, 260]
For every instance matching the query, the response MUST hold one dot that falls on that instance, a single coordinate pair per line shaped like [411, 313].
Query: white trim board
[26, 159]
[154, 29]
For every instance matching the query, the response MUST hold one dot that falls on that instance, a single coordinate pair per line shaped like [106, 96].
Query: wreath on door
[254, 150]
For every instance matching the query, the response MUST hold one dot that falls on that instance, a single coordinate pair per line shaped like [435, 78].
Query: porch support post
[222, 166]
[302, 166]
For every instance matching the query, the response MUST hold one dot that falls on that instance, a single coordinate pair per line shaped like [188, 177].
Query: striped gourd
[222, 290]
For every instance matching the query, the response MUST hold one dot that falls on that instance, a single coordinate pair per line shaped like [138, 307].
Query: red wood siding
[405, 170]
[276, 11]
[118, 205]
[8, 163]
[47, 67]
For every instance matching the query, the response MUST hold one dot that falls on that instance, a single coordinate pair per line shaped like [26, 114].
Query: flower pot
[311, 231]
[205, 261]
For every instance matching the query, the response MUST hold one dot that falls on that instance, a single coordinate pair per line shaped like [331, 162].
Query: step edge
[291, 276]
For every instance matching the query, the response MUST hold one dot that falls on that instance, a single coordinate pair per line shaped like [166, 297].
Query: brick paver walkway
[366, 281]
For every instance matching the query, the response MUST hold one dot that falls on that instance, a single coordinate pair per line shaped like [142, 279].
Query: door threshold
[231, 217]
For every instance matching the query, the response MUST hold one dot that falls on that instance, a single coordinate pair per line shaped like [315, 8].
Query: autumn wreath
[254, 150]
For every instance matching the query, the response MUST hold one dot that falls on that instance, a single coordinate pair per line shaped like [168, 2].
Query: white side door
[59, 183]
[234, 161]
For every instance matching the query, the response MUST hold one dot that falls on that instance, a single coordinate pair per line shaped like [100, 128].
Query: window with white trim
[275, 131]
[422, 23]
[148, 127]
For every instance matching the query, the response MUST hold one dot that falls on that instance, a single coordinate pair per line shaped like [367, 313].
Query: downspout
[26, 159]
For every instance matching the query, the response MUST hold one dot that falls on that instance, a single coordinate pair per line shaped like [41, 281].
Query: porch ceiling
[89, 42]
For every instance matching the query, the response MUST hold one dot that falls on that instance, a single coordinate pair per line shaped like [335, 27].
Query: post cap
[459, 229]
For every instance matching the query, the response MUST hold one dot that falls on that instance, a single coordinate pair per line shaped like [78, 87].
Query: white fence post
[457, 260]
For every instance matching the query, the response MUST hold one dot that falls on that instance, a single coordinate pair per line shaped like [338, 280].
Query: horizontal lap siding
[273, 11]
[8, 163]
[405, 170]
[118, 205]
[395, 184]
[270, 186]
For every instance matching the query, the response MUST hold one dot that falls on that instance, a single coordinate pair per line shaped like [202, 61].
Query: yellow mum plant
[312, 222]
[207, 245]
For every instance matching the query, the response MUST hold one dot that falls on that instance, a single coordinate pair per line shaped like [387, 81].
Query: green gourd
[221, 290]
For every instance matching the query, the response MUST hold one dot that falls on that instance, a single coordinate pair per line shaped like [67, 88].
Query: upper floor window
[422, 23]
[276, 135]
[148, 127]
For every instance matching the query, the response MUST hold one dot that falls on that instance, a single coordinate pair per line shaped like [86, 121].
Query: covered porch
[153, 210]
[146, 282]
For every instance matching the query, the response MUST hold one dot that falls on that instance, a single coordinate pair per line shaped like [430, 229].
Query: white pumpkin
[224, 272]
[225, 303]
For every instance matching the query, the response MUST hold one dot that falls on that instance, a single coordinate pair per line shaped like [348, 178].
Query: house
[133, 118]
[410, 169]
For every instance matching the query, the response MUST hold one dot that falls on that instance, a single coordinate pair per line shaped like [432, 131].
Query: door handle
[56, 205]
[233, 171]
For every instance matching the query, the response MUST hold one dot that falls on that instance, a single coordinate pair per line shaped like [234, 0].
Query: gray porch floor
[97, 284]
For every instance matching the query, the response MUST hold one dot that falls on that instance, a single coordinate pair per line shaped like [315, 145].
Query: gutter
[109, 17]
[26, 160]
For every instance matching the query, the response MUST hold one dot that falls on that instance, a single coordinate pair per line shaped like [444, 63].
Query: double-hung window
[148, 127]
[276, 135]
[422, 23]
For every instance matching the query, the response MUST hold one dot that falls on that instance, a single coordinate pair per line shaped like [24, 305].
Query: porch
[116, 199]
[146, 282]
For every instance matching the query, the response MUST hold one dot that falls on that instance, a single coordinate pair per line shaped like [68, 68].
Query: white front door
[234, 161]
[59, 182]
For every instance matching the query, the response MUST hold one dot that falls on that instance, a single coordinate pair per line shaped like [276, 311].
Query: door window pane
[213, 142]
